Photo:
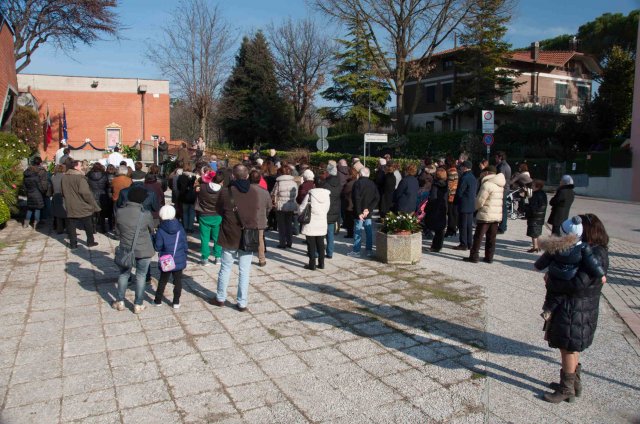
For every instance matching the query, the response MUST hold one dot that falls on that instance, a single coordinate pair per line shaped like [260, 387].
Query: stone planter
[398, 249]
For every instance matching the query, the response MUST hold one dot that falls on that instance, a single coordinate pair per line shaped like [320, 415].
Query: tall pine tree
[356, 83]
[252, 110]
[483, 61]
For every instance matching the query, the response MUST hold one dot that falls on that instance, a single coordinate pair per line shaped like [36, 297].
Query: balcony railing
[544, 103]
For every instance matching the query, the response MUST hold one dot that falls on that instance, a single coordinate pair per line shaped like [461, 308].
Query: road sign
[488, 139]
[322, 131]
[322, 144]
[487, 122]
[376, 138]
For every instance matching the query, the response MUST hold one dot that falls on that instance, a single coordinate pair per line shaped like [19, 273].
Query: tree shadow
[395, 317]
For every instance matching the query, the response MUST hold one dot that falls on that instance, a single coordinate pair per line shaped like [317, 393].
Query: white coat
[490, 198]
[284, 193]
[320, 202]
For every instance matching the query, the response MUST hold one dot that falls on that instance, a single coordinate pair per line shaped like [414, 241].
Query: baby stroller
[513, 203]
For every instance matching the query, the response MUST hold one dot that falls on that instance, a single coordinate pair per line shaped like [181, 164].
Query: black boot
[565, 390]
[578, 384]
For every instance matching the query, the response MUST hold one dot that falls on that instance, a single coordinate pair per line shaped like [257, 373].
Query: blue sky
[147, 19]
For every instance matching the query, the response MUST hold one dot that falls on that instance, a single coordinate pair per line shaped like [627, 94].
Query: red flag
[48, 136]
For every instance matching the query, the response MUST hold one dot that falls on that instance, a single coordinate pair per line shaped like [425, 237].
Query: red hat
[208, 177]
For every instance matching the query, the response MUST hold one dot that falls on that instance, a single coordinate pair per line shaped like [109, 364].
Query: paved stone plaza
[360, 341]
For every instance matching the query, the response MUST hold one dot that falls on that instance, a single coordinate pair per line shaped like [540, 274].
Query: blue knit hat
[573, 226]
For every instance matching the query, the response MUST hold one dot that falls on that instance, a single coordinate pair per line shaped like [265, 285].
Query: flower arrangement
[393, 224]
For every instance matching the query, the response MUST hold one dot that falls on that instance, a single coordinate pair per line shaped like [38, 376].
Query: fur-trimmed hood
[555, 244]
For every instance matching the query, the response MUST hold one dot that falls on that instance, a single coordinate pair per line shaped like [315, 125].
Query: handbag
[305, 216]
[250, 237]
[125, 257]
[167, 264]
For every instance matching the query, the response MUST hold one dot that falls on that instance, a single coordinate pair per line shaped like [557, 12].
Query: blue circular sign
[487, 139]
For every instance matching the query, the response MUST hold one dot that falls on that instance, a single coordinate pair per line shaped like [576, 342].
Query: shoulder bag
[167, 264]
[250, 237]
[305, 216]
[125, 257]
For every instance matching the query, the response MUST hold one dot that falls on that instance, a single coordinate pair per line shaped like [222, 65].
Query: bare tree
[62, 22]
[194, 53]
[410, 30]
[303, 55]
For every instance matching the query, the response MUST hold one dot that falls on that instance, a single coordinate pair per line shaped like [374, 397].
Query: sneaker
[138, 309]
[157, 303]
[176, 306]
[215, 261]
[204, 262]
[353, 254]
[118, 306]
[370, 254]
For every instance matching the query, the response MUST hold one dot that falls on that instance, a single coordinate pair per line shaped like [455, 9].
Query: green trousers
[209, 228]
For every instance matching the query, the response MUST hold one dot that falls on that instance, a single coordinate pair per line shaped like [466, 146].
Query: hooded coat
[561, 205]
[436, 210]
[99, 184]
[320, 200]
[35, 184]
[406, 194]
[564, 255]
[284, 194]
[127, 220]
[166, 236]
[574, 320]
[386, 196]
[208, 198]
[490, 198]
[343, 174]
[332, 183]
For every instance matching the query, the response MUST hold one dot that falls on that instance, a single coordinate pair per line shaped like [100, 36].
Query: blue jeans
[188, 215]
[330, 238]
[36, 215]
[503, 224]
[244, 265]
[142, 266]
[357, 234]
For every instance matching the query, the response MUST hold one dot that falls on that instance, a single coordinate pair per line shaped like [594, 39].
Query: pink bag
[167, 264]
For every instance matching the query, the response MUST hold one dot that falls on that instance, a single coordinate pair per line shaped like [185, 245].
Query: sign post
[373, 138]
[487, 122]
[488, 140]
[322, 144]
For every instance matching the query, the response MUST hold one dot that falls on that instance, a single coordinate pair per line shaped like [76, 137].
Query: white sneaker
[118, 306]
[354, 254]
[176, 306]
[138, 309]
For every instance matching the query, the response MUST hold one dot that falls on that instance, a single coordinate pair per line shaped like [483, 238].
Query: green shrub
[5, 214]
[11, 154]
[26, 125]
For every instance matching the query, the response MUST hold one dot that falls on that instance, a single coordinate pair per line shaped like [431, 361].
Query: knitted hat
[208, 177]
[572, 226]
[137, 194]
[566, 180]
[167, 212]
[307, 175]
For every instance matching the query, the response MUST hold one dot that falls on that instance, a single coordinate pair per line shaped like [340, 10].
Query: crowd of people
[233, 204]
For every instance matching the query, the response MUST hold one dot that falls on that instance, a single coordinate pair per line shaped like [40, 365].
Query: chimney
[535, 51]
[573, 44]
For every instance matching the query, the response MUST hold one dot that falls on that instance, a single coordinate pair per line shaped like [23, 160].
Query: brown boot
[578, 384]
[565, 391]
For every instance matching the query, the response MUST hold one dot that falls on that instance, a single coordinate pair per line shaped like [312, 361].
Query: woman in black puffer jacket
[99, 184]
[573, 323]
[35, 184]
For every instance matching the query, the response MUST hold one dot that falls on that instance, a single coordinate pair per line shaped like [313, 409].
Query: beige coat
[284, 194]
[490, 198]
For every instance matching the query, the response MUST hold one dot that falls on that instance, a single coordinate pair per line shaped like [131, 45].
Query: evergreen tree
[356, 83]
[614, 102]
[483, 61]
[252, 110]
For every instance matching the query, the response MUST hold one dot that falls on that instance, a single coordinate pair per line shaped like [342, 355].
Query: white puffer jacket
[490, 197]
[284, 193]
[320, 202]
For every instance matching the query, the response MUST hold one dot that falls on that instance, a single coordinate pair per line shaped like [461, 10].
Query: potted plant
[399, 240]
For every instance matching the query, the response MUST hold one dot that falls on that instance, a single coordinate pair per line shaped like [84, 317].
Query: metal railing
[544, 103]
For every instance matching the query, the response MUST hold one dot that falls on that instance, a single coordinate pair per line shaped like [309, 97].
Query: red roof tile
[556, 58]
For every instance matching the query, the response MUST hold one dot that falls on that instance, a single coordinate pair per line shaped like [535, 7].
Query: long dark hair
[593, 231]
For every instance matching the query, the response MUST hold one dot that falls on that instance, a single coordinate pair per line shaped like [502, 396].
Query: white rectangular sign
[376, 138]
[487, 122]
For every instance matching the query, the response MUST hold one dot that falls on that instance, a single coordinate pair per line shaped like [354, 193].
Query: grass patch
[440, 293]
[478, 375]
[275, 333]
